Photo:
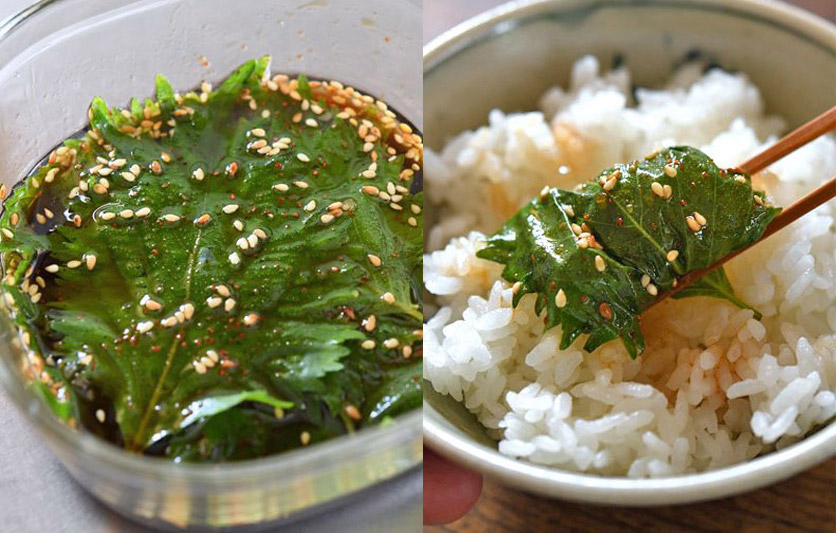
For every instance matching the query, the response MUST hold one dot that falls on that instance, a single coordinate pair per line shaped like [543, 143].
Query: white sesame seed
[223, 290]
[396, 207]
[199, 174]
[52, 269]
[311, 122]
[327, 218]
[136, 170]
[415, 209]
[391, 343]
[258, 132]
[171, 218]
[75, 263]
[253, 241]
[305, 438]
[238, 225]
[368, 147]
[560, 298]
[672, 255]
[144, 327]
[670, 171]
[230, 208]
[169, 322]
[106, 171]
[101, 416]
[371, 190]
[126, 213]
[188, 310]
[693, 224]
[199, 367]
[206, 362]
[740, 179]
[303, 158]
[368, 344]
[645, 280]
[283, 187]
[310, 206]
[40, 218]
[90, 261]
[375, 260]
[652, 290]
[699, 218]
[260, 233]
[213, 355]
[234, 258]
[127, 176]
[229, 305]
[600, 266]
[412, 221]
[657, 189]
[388, 297]
[214, 301]
[251, 319]
[668, 190]
[242, 243]
[143, 212]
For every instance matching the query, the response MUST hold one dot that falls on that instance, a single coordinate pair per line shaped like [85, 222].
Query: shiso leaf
[309, 284]
[634, 230]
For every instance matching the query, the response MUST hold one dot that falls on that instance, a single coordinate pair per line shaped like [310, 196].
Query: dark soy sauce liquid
[91, 400]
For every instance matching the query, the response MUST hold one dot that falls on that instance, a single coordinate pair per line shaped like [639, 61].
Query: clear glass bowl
[57, 55]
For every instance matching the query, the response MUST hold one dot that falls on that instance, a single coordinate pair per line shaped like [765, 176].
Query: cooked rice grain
[714, 386]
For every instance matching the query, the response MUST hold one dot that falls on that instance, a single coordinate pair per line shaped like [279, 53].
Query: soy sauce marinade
[223, 275]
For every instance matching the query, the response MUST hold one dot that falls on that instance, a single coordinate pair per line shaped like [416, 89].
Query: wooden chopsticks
[811, 130]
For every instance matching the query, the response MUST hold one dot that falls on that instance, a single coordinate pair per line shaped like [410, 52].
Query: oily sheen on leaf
[597, 257]
[206, 257]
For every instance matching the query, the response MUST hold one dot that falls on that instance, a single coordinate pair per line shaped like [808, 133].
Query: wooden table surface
[806, 502]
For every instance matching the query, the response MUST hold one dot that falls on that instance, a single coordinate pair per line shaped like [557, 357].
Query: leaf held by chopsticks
[598, 257]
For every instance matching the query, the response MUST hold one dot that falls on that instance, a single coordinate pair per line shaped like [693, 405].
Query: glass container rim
[404, 428]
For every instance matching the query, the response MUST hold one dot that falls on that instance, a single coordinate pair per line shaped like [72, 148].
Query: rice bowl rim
[550, 481]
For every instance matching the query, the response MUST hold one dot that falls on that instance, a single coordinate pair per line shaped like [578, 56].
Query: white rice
[714, 386]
